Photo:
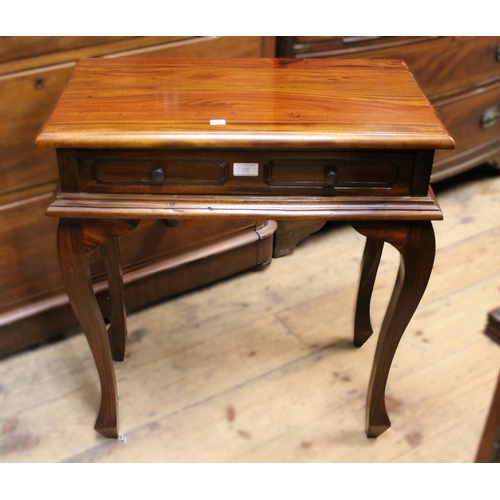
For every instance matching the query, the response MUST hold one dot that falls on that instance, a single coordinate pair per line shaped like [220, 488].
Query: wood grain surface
[263, 103]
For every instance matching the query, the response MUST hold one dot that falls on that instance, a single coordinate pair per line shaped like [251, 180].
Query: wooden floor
[261, 367]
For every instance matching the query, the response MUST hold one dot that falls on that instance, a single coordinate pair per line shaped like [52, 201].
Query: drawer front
[473, 120]
[27, 99]
[338, 173]
[155, 169]
[19, 47]
[441, 65]
[334, 46]
[328, 173]
[222, 46]
[454, 64]
[28, 254]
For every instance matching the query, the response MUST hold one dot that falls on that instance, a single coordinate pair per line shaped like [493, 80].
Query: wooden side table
[272, 139]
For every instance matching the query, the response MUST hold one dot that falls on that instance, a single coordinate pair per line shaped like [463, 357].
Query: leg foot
[373, 430]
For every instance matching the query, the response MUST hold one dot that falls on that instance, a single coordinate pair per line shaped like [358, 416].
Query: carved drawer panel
[336, 173]
[325, 173]
[153, 168]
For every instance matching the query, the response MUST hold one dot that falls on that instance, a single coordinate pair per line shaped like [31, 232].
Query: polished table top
[158, 103]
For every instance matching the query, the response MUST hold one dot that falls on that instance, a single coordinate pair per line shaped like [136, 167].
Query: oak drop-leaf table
[299, 142]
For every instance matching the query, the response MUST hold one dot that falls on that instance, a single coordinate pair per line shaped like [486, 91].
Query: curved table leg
[76, 239]
[117, 331]
[369, 267]
[415, 241]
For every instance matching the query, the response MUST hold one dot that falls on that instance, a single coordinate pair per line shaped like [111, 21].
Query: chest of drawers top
[243, 103]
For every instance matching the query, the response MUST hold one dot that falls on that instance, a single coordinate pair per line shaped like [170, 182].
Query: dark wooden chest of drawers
[460, 75]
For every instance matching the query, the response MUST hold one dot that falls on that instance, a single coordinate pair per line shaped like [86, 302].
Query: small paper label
[246, 169]
[217, 122]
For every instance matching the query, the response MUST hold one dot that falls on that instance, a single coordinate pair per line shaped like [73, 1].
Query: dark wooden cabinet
[158, 261]
[460, 76]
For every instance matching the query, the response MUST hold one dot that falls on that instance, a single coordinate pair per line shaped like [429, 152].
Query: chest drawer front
[26, 102]
[449, 65]
[331, 173]
[18, 47]
[221, 46]
[441, 65]
[335, 46]
[472, 119]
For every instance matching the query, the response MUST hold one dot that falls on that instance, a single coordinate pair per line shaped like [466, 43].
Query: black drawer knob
[331, 177]
[158, 175]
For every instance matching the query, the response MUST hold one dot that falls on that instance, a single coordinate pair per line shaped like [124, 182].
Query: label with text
[246, 169]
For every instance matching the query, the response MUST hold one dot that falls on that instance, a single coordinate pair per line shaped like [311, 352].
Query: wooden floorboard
[261, 367]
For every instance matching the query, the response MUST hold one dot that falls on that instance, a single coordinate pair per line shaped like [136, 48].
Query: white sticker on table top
[217, 122]
[245, 169]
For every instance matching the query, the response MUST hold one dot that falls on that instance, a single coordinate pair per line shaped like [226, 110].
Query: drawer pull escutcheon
[158, 175]
[490, 117]
[331, 177]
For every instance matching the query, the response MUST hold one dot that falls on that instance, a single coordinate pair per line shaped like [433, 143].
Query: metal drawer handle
[490, 117]
[158, 175]
[331, 177]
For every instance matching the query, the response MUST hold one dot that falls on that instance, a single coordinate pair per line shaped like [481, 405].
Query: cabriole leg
[369, 267]
[76, 240]
[416, 244]
[117, 331]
